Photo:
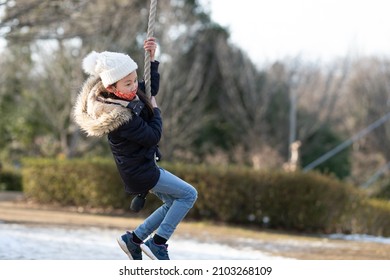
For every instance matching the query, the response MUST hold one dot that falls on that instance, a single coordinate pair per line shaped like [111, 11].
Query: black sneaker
[154, 251]
[132, 249]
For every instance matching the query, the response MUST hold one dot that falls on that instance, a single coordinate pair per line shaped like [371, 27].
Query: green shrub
[372, 218]
[321, 142]
[92, 183]
[10, 181]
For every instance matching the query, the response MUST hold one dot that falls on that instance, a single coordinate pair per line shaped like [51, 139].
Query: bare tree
[60, 33]
[247, 94]
[319, 92]
[368, 96]
[315, 93]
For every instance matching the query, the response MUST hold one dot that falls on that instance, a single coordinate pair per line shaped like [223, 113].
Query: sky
[311, 29]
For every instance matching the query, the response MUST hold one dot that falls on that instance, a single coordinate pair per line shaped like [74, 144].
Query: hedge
[91, 183]
[308, 202]
[298, 201]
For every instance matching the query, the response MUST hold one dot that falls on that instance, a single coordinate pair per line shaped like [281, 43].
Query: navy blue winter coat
[134, 144]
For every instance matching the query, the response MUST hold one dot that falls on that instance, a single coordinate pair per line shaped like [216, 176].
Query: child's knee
[193, 195]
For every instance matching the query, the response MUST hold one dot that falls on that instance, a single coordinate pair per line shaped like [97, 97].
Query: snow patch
[19, 241]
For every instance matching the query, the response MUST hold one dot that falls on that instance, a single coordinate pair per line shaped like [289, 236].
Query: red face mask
[127, 96]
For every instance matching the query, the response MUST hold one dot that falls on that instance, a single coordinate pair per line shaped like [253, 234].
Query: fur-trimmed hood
[95, 117]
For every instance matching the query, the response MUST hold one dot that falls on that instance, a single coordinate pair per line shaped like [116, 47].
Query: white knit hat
[110, 66]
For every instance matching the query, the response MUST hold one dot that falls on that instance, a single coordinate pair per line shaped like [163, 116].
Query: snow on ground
[23, 241]
[19, 241]
[360, 237]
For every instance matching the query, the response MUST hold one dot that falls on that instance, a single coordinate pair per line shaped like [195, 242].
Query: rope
[152, 20]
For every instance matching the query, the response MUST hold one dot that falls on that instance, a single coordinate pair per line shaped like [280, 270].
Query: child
[112, 102]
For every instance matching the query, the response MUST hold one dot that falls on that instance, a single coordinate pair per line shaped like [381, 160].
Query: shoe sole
[123, 246]
[148, 252]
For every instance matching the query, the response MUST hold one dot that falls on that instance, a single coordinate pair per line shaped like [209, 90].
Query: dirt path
[13, 209]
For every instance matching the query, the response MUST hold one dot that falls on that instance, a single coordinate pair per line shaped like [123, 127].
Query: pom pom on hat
[110, 66]
[89, 63]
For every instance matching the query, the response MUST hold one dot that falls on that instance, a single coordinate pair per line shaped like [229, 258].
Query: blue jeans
[178, 197]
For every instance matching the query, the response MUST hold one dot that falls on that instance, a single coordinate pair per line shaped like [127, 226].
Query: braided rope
[152, 20]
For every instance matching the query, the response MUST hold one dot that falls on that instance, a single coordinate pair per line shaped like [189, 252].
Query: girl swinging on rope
[112, 102]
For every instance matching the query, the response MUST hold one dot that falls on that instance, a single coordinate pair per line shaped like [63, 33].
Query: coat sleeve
[144, 133]
[154, 78]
